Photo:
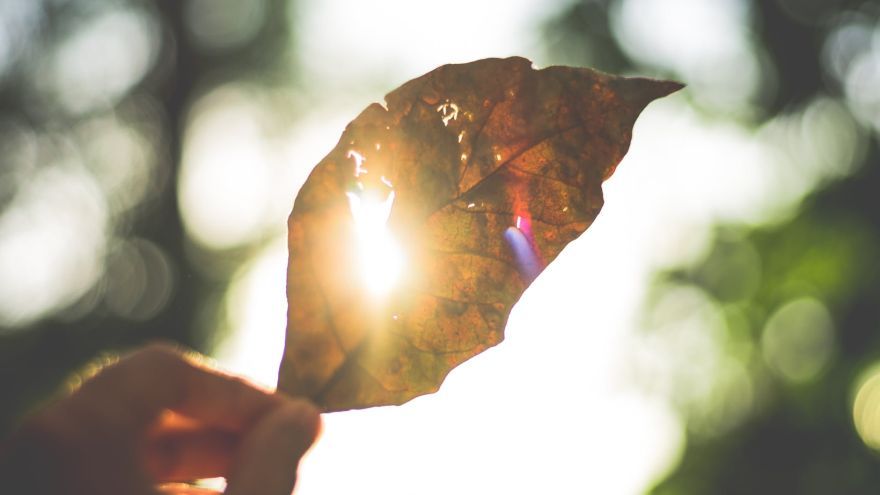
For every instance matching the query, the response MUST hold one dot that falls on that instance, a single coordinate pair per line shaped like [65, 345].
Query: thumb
[268, 457]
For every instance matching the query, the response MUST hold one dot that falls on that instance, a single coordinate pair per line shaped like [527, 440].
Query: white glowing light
[379, 256]
[448, 111]
[227, 170]
[128, 43]
[358, 162]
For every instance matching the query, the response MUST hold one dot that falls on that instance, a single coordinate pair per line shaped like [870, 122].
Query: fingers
[188, 455]
[115, 435]
[269, 455]
[264, 434]
[133, 392]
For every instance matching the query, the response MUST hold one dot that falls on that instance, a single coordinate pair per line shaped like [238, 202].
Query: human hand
[157, 417]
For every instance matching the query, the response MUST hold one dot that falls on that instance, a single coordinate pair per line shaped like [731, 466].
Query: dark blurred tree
[34, 361]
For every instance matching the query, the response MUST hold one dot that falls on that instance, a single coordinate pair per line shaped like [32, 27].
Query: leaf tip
[639, 91]
[666, 88]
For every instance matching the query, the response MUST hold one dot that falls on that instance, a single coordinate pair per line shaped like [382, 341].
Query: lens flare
[521, 240]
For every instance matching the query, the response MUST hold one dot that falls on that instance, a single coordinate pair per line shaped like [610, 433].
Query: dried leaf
[475, 176]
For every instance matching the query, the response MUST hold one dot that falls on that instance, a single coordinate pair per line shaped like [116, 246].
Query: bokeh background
[717, 330]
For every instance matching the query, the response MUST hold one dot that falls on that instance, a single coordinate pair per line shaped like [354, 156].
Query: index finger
[133, 392]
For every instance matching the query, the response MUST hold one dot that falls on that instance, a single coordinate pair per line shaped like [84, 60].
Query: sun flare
[380, 258]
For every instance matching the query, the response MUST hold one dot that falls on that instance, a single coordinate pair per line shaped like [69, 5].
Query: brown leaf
[490, 168]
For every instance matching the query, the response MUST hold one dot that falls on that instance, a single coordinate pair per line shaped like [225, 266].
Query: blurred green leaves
[764, 340]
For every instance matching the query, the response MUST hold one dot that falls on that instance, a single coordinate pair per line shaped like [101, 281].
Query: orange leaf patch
[414, 237]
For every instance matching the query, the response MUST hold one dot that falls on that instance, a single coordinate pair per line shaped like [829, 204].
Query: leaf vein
[516, 155]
